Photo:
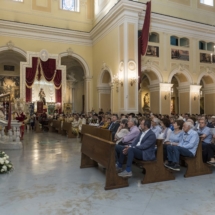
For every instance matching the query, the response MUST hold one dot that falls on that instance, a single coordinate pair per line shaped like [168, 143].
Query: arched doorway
[10, 71]
[104, 91]
[207, 93]
[75, 92]
[149, 95]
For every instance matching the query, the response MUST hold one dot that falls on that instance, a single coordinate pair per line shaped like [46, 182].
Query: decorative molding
[10, 45]
[44, 55]
[69, 51]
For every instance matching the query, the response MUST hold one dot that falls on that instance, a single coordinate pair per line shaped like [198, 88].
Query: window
[207, 2]
[71, 5]
[202, 45]
[154, 37]
[174, 41]
[184, 42]
[210, 46]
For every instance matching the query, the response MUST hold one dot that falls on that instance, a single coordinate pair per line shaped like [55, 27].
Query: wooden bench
[57, 126]
[95, 150]
[38, 127]
[67, 130]
[98, 132]
[155, 170]
[195, 165]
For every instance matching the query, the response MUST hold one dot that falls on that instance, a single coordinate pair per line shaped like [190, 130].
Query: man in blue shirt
[187, 147]
[204, 133]
[156, 127]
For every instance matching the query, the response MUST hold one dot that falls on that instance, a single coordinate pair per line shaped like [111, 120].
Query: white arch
[80, 60]
[205, 74]
[154, 69]
[185, 72]
[16, 49]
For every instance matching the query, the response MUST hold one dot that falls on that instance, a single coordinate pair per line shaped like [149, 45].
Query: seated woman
[166, 131]
[75, 124]
[107, 122]
[174, 137]
[122, 131]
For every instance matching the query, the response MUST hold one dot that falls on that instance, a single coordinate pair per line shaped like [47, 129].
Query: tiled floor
[47, 180]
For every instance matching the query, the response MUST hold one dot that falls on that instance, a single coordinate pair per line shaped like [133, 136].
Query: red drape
[139, 62]
[145, 30]
[49, 69]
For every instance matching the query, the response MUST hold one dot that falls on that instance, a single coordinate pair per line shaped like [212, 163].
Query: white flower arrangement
[5, 164]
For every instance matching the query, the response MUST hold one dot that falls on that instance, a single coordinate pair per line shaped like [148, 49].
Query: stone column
[87, 90]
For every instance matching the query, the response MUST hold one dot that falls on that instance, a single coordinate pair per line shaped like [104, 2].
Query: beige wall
[165, 103]
[105, 101]
[209, 103]
[48, 13]
[106, 51]
[184, 102]
[154, 101]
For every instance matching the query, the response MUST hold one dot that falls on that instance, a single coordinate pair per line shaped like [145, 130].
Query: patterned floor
[47, 180]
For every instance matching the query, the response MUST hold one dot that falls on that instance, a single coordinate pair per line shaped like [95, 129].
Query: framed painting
[51, 108]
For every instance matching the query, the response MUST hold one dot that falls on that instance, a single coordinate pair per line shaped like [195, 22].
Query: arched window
[202, 45]
[71, 5]
[174, 41]
[210, 46]
[184, 42]
[207, 2]
[154, 37]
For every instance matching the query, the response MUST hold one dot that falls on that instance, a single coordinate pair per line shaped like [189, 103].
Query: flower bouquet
[5, 164]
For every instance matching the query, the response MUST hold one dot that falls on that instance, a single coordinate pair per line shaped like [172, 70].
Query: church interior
[78, 78]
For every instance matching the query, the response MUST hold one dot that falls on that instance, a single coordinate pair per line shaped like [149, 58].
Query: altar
[42, 71]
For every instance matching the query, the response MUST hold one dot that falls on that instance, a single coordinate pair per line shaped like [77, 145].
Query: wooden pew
[155, 170]
[57, 126]
[98, 132]
[38, 127]
[67, 129]
[95, 150]
[195, 165]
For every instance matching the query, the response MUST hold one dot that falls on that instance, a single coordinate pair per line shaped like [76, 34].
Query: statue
[146, 103]
[42, 96]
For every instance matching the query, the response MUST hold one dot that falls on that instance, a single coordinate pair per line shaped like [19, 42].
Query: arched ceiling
[73, 68]
[207, 79]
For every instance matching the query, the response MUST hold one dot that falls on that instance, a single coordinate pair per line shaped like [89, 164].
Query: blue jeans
[174, 152]
[132, 153]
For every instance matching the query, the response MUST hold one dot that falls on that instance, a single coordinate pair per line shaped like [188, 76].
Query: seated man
[187, 147]
[129, 137]
[143, 148]
[114, 125]
[204, 133]
[156, 127]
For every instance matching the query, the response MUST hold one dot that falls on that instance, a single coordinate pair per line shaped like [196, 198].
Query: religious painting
[10, 84]
[152, 51]
[146, 103]
[179, 54]
[51, 108]
[207, 58]
[67, 109]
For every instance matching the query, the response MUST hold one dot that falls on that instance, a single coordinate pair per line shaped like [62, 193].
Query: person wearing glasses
[187, 147]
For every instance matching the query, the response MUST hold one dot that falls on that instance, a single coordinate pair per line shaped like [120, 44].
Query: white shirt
[141, 137]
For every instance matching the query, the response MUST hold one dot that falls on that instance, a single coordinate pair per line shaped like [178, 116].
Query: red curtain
[57, 82]
[49, 68]
[31, 72]
[28, 94]
[145, 30]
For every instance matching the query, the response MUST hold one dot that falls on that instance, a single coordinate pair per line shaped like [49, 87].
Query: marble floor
[47, 180]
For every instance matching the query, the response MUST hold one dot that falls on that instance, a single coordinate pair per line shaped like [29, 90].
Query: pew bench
[95, 150]
[195, 165]
[98, 132]
[67, 130]
[155, 171]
